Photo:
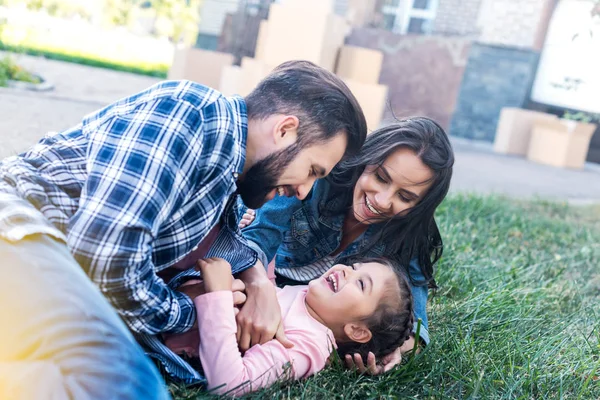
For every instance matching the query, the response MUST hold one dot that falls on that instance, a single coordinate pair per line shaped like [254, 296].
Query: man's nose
[303, 190]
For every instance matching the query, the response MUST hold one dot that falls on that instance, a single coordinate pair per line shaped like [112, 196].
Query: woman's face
[384, 191]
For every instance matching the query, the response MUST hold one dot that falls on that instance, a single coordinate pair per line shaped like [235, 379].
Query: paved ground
[478, 169]
[26, 116]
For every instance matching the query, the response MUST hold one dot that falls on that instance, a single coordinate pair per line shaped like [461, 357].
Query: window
[388, 21]
[421, 4]
[417, 25]
[409, 16]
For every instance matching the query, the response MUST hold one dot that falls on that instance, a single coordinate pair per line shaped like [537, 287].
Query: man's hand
[259, 319]
[216, 274]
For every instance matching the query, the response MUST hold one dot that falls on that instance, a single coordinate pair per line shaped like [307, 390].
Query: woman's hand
[372, 368]
[216, 274]
[247, 218]
[388, 362]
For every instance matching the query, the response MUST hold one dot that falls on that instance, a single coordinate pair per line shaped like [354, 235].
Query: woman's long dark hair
[415, 232]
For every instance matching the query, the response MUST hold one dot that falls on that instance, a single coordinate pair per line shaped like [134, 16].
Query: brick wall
[510, 22]
[498, 22]
[457, 18]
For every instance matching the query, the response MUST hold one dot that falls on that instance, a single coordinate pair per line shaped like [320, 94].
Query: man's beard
[262, 177]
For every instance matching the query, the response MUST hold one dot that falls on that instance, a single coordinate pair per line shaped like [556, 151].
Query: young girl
[366, 307]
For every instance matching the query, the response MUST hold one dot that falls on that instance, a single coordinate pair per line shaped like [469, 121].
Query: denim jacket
[295, 233]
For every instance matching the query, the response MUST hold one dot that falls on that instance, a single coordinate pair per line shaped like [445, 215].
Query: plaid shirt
[135, 187]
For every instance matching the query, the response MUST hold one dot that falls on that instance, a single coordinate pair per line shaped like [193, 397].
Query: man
[135, 188]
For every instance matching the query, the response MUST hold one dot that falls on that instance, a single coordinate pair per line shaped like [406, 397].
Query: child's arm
[225, 368]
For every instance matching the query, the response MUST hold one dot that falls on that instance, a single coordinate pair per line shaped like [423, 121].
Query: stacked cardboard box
[263, 31]
[309, 30]
[284, 36]
[372, 99]
[202, 66]
[360, 68]
[300, 31]
[560, 143]
[359, 64]
[513, 132]
[231, 80]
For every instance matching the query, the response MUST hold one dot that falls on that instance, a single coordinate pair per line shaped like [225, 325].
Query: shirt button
[195, 248]
[235, 175]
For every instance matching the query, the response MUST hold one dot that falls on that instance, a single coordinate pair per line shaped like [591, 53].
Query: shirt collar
[240, 132]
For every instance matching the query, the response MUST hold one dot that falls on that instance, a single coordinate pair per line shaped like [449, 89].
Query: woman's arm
[272, 220]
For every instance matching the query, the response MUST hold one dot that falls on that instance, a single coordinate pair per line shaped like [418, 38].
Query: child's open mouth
[333, 282]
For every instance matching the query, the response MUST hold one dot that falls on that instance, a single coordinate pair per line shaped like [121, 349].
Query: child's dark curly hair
[392, 322]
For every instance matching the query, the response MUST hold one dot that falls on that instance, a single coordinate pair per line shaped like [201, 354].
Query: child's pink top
[227, 371]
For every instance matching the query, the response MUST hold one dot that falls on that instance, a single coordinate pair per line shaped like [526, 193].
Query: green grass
[157, 70]
[517, 315]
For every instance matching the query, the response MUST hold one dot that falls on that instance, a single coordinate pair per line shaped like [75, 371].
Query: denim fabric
[60, 338]
[300, 232]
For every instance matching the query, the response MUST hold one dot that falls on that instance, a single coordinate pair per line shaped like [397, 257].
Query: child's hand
[216, 274]
[247, 218]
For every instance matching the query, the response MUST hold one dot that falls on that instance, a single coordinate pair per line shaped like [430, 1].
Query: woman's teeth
[370, 206]
[280, 191]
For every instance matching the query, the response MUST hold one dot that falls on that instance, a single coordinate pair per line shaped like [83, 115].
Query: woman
[380, 202]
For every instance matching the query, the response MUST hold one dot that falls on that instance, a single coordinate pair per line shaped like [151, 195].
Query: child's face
[346, 294]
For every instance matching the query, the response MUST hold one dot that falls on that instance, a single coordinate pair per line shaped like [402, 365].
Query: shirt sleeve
[265, 233]
[227, 371]
[420, 294]
[138, 173]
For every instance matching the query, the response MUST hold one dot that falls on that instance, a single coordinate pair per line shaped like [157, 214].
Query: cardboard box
[513, 132]
[359, 64]
[297, 32]
[319, 6]
[198, 65]
[372, 99]
[253, 71]
[560, 143]
[231, 80]
[261, 38]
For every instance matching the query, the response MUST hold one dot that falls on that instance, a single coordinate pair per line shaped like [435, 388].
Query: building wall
[457, 18]
[423, 73]
[495, 77]
[212, 15]
[510, 22]
[499, 22]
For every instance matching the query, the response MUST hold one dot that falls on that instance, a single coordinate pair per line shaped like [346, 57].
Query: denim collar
[329, 218]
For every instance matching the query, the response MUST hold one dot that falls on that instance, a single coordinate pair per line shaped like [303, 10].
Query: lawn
[116, 49]
[516, 316]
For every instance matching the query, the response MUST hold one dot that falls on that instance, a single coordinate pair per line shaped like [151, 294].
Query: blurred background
[515, 83]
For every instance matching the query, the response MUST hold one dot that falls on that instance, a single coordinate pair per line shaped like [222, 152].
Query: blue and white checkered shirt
[135, 187]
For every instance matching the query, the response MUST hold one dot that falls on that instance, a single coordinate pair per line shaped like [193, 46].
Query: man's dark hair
[319, 99]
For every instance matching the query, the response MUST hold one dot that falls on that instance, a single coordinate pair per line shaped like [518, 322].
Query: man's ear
[285, 131]
[358, 332]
